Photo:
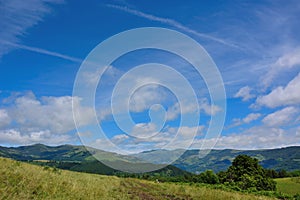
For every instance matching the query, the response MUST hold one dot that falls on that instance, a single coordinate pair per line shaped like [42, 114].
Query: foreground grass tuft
[24, 181]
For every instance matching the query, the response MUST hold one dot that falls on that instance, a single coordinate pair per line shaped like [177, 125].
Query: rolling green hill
[78, 158]
[20, 180]
[60, 153]
[217, 160]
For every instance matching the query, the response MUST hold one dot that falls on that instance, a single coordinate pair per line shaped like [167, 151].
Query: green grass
[288, 185]
[25, 181]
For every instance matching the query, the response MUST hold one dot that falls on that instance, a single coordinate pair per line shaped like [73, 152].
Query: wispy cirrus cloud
[173, 23]
[16, 17]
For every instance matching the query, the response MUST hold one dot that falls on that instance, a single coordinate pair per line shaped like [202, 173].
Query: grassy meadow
[20, 180]
[289, 186]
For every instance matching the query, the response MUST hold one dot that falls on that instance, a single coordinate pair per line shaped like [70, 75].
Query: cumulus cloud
[144, 130]
[251, 117]
[244, 93]
[16, 137]
[282, 117]
[174, 111]
[180, 109]
[209, 109]
[287, 61]
[110, 74]
[119, 138]
[281, 96]
[246, 120]
[145, 97]
[53, 113]
[38, 120]
[298, 132]
[170, 138]
[260, 137]
[4, 118]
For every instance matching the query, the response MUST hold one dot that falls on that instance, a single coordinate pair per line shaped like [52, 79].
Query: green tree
[208, 177]
[245, 173]
[271, 173]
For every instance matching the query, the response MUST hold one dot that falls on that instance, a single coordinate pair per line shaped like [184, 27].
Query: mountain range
[80, 158]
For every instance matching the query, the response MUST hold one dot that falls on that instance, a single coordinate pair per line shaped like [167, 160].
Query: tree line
[245, 173]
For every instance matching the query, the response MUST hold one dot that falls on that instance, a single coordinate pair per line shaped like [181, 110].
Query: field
[25, 181]
[288, 185]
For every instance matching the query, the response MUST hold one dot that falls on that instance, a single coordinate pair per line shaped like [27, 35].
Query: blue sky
[255, 45]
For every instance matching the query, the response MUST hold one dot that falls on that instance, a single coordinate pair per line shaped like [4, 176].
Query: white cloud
[281, 117]
[14, 136]
[52, 113]
[184, 108]
[4, 118]
[92, 77]
[244, 93]
[246, 120]
[144, 130]
[145, 97]
[46, 120]
[298, 132]
[207, 108]
[281, 96]
[103, 113]
[260, 137]
[251, 117]
[287, 61]
[170, 138]
[119, 138]
[174, 111]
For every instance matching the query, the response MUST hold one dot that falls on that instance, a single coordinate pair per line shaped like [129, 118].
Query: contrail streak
[42, 51]
[171, 22]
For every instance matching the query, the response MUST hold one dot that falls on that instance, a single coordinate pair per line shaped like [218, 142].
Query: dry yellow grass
[24, 181]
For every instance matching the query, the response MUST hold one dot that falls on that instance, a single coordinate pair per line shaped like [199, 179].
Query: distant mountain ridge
[287, 158]
[217, 160]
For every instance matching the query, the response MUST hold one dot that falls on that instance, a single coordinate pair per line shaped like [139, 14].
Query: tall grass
[24, 181]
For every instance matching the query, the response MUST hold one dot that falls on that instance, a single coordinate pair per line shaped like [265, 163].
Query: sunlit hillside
[25, 181]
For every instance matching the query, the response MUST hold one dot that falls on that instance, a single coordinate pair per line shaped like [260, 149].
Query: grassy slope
[288, 185]
[24, 181]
